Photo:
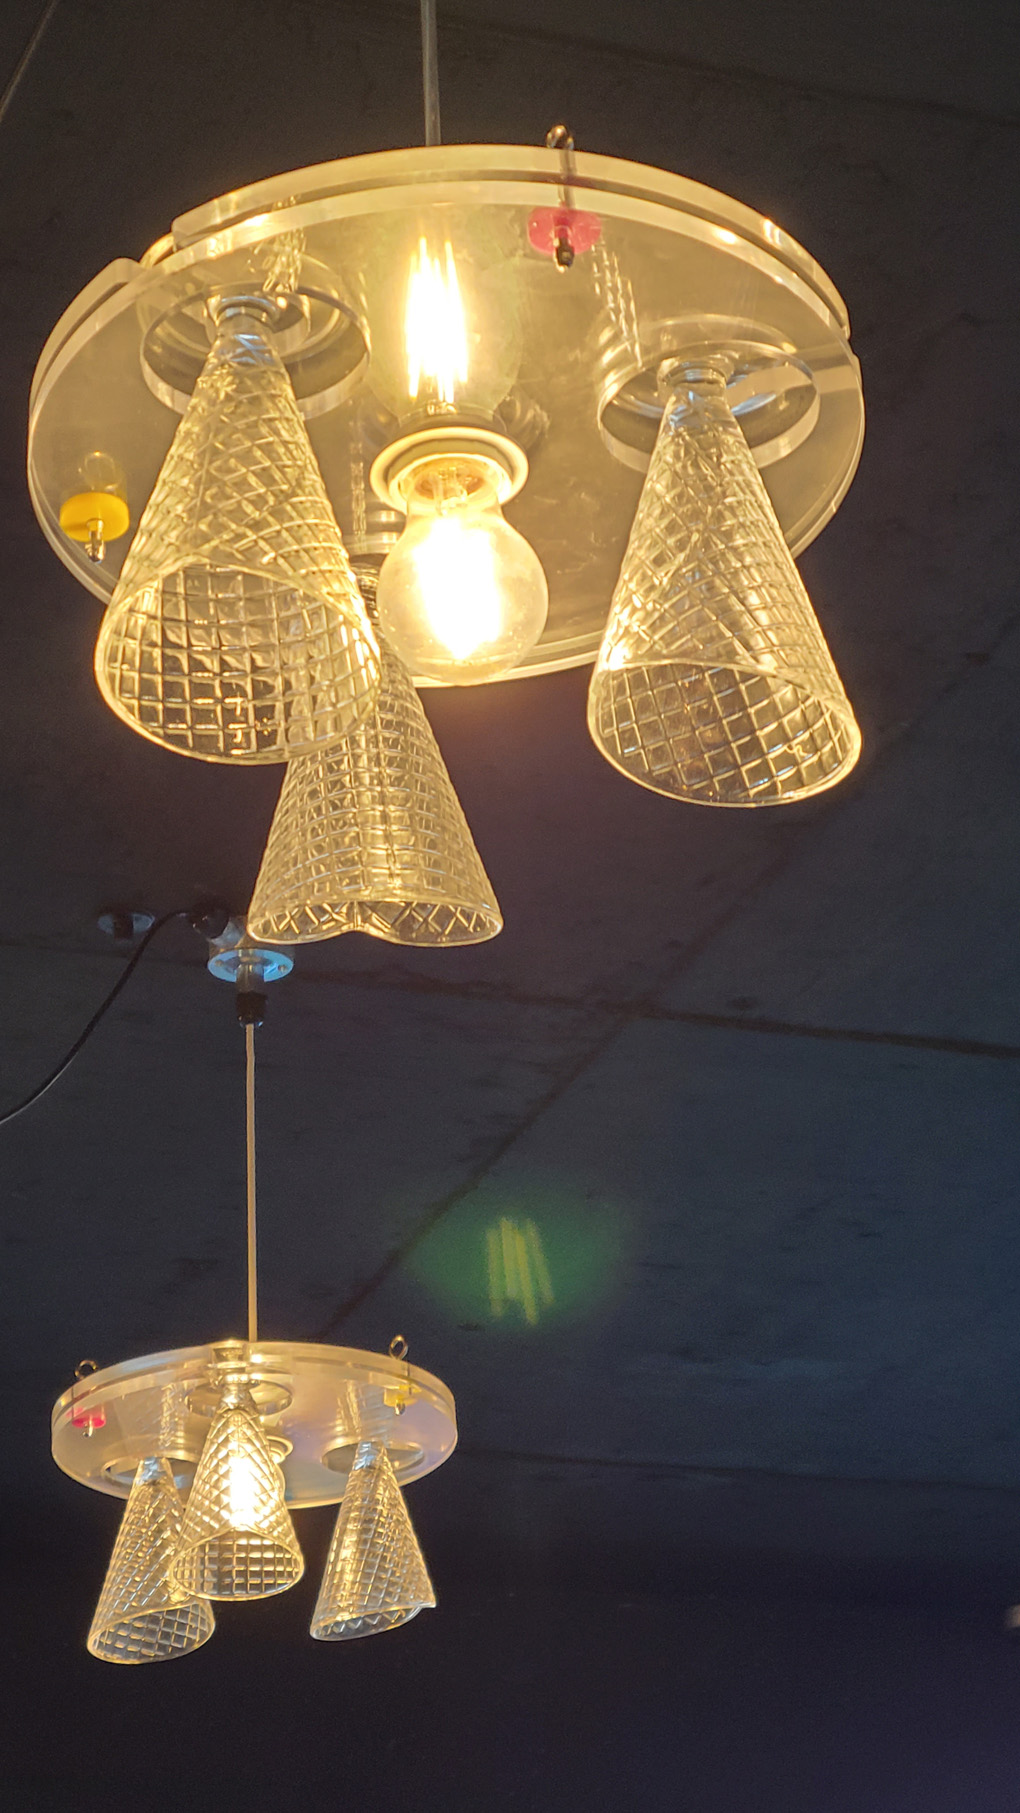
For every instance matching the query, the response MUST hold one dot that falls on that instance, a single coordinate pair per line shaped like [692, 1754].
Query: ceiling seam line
[630, 1012]
[900, 1041]
[691, 1469]
[454, 25]
[843, 805]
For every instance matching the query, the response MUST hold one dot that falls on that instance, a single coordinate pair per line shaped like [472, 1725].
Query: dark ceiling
[734, 1525]
[961, 56]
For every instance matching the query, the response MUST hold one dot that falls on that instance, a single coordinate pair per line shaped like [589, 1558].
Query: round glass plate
[315, 1401]
[570, 355]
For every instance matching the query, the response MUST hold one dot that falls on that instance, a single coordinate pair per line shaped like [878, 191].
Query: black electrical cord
[208, 918]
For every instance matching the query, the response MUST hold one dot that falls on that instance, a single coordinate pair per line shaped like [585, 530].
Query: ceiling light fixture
[315, 397]
[214, 1446]
[657, 386]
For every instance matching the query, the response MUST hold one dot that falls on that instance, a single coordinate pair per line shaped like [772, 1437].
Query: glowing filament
[435, 335]
[245, 1491]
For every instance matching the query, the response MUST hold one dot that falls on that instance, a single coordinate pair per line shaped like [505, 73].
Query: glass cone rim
[780, 675]
[752, 798]
[92, 1642]
[294, 582]
[488, 920]
[239, 1598]
[329, 1630]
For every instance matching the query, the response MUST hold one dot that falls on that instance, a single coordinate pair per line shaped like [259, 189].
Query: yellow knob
[79, 513]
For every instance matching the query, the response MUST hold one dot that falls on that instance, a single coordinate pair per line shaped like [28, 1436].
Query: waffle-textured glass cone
[369, 836]
[236, 632]
[714, 683]
[375, 1576]
[142, 1616]
[237, 1539]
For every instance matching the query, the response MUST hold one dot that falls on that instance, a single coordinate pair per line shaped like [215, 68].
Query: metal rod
[253, 1286]
[430, 72]
[26, 56]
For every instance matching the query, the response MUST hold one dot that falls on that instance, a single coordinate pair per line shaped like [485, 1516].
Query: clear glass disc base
[331, 1396]
[662, 258]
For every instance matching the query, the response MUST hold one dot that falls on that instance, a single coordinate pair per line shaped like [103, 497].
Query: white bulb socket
[392, 473]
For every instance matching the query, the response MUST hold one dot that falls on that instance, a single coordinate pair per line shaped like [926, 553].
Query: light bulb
[443, 310]
[463, 596]
[244, 1491]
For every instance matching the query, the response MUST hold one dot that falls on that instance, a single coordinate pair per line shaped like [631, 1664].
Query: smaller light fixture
[142, 1615]
[375, 1575]
[237, 1540]
[463, 596]
[207, 1408]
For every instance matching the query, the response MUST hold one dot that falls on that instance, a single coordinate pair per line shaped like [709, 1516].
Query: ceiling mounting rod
[430, 72]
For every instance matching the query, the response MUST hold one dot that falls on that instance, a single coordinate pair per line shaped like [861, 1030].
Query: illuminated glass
[375, 1575]
[369, 836]
[142, 1615]
[236, 632]
[435, 334]
[442, 297]
[714, 683]
[237, 1539]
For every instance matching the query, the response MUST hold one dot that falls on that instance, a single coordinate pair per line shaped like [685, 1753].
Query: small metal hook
[561, 139]
[91, 1420]
[399, 1396]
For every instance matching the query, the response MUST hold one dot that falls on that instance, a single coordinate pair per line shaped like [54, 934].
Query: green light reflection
[523, 1255]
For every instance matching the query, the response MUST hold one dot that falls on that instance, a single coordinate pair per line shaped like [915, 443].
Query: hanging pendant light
[476, 341]
[369, 836]
[142, 1615]
[236, 632]
[265, 1425]
[375, 1575]
[237, 1539]
[714, 683]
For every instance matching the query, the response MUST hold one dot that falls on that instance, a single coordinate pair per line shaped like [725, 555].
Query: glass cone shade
[369, 836]
[237, 1540]
[142, 1616]
[714, 683]
[236, 632]
[375, 1576]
